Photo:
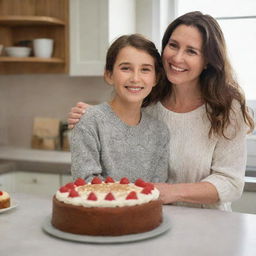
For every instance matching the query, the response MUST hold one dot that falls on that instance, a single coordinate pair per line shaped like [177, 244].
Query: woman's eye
[173, 45]
[191, 52]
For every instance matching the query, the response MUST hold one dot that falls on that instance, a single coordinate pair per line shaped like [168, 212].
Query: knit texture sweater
[103, 145]
[194, 157]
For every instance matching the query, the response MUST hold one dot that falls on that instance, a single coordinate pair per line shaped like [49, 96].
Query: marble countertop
[194, 232]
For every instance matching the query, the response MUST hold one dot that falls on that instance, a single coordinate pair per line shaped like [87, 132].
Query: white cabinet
[246, 204]
[7, 182]
[93, 26]
[37, 183]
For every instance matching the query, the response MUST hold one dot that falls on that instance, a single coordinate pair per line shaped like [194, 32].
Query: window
[238, 22]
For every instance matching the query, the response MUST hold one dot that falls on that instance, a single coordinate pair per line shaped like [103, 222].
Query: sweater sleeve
[85, 152]
[229, 160]
[161, 167]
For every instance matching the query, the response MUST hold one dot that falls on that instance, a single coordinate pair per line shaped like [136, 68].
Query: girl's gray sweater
[102, 144]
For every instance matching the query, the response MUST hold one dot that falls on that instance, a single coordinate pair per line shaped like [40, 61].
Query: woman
[205, 111]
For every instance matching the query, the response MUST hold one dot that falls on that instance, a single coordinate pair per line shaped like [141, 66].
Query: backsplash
[23, 97]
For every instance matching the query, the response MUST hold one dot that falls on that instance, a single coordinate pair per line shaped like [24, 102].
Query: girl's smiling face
[133, 75]
[183, 58]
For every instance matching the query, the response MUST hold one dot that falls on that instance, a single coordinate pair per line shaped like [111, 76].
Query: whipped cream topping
[4, 196]
[119, 191]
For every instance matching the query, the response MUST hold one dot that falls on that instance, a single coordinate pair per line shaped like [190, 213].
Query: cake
[4, 199]
[107, 208]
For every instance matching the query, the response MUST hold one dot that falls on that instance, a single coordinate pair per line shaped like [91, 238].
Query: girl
[117, 138]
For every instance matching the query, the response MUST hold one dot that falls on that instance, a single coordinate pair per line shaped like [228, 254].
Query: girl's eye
[146, 69]
[125, 68]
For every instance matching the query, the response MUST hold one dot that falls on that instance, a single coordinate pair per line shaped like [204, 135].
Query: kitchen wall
[23, 97]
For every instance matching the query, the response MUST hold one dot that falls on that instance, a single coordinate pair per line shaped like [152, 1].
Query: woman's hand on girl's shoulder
[76, 113]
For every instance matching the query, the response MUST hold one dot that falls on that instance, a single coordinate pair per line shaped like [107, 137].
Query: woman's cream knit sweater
[195, 157]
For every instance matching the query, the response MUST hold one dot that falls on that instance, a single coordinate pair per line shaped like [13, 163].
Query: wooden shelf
[31, 59]
[19, 20]
[26, 20]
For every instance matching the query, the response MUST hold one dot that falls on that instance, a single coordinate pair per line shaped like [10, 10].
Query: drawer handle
[34, 181]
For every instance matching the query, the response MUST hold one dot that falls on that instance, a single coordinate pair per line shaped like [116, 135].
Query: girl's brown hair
[217, 83]
[141, 43]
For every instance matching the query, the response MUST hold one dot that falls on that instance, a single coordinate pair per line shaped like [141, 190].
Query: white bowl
[18, 51]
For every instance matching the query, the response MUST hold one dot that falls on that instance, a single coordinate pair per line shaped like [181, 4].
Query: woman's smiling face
[183, 58]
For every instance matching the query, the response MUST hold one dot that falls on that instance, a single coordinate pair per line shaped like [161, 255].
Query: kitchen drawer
[37, 183]
[7, 182]
[246, 204]
[64, 179]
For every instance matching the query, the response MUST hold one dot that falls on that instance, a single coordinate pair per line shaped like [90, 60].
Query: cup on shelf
[43, 47]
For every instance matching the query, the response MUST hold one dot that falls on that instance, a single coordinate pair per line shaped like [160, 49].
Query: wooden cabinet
[27, 20]
[93, 26]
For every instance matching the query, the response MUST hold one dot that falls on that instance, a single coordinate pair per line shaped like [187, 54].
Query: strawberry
[96, 180]
[150, 185]
[1, 193]
[124, 180]
[109, 197]
[73, 193]
[92, 197]
[109, 180]
[70, 185]
[146, 190]
[80, 182]
[64, 189]
[132, 195]
[140, 183]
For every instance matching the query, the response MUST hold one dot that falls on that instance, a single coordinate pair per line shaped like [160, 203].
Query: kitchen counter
[21, 159]
[59, 162]
[198, 232]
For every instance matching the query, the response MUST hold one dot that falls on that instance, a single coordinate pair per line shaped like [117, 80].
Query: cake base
[106, 221]
[5, 203]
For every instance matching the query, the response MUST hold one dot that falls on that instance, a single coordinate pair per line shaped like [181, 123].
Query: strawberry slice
[64, 189]
[1, 193]
[80, 182]
[70, 185]
[132, 195]
[96, 180]
[140, 183]
[109, 180]
[73, 193]
[124, 180]
[92, 197]
[109, 197]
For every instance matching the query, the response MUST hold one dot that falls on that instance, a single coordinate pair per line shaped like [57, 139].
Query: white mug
[43, 47]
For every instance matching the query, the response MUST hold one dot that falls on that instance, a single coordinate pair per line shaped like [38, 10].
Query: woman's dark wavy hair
[217, 83]
[141, 43]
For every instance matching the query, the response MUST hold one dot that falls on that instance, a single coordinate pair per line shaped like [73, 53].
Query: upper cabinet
[26, 20]
[93, 26]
